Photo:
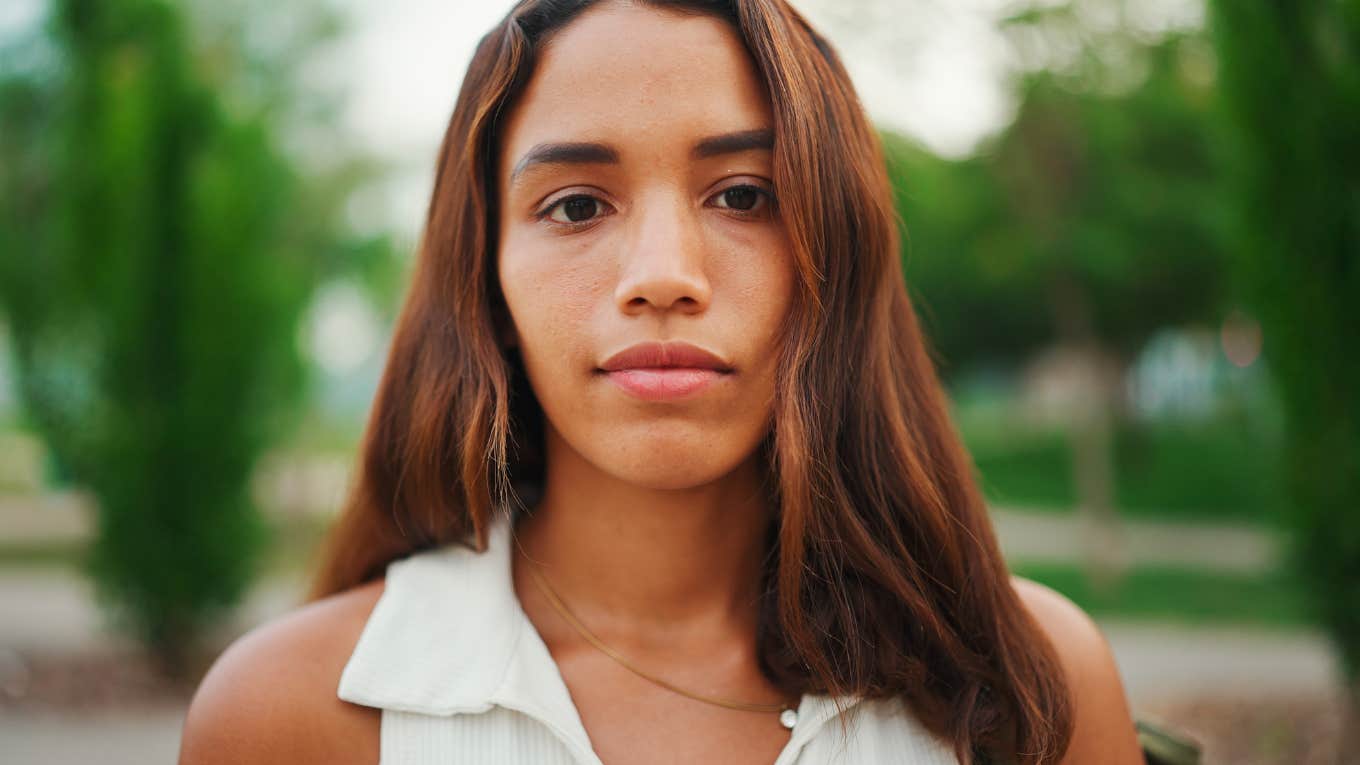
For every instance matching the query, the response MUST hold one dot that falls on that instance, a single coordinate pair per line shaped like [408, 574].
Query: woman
[659, 469]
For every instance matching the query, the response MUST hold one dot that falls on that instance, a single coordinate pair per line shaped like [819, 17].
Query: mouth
[669, 355]
[661, 371]
[662, 383]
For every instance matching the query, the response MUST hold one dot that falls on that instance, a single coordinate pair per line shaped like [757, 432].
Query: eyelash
[546, 212]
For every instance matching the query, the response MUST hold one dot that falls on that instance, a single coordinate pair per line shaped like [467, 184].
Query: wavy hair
[884, 578]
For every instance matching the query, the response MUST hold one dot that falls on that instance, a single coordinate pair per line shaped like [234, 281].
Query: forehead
[630, 74]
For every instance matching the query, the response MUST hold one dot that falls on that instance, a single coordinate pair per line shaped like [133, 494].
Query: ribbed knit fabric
[462, 677]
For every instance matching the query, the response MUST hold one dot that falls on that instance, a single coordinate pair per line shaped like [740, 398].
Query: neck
[644, 563]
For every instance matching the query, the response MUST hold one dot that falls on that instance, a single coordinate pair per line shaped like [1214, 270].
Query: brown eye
[744, 199]
[576, 209]
[741, 198]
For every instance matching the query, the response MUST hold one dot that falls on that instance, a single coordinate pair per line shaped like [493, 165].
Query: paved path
[53, 516]
[139, 738]
[1056, 537]
[1163, 662]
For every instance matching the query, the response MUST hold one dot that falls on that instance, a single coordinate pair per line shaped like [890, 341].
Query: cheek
[551, 299]
[758, 281]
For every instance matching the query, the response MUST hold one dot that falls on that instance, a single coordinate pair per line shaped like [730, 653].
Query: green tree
[1291, 91]
[1096, 214]
[1091, 222]
[157, 249]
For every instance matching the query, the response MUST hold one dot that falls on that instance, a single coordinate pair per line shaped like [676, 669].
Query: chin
[662, 479]
[672, 464]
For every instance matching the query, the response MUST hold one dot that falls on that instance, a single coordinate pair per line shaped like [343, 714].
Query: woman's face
[635, 183]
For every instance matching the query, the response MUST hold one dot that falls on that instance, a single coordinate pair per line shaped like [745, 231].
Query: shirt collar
[448, 636]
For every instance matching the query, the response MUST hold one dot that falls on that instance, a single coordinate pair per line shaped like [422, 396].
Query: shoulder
[271, 696]
[1103, 728]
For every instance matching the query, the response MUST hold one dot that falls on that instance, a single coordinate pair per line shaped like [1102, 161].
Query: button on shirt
[462, 676]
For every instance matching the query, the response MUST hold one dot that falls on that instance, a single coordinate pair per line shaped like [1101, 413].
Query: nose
[663, 265]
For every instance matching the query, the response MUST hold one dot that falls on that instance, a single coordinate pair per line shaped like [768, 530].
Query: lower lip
[660, 384]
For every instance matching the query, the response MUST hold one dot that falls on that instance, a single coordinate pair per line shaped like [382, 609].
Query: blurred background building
[1131, 233]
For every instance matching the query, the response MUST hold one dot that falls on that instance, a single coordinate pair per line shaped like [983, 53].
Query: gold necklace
[788, 716]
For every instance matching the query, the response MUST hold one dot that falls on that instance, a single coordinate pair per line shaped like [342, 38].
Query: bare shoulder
[1067, 624]
[271, 696]
[1104, 730]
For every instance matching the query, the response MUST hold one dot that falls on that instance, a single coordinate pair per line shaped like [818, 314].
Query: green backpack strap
[1163, 746]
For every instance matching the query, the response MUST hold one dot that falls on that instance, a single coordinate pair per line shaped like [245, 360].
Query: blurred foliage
[158, 247]
[1219, 469]
[1290, 81]
[1094, 218]
[1092, 222]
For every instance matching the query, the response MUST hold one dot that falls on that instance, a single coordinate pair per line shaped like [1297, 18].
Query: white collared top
[462, 676]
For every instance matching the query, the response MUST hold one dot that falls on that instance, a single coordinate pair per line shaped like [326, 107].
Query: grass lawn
[1183, 595]
[1220, 471]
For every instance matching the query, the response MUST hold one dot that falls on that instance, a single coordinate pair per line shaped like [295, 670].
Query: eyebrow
[732, 143]
[590, 153]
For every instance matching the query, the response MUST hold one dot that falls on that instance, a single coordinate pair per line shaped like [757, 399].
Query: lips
[671, 355]
[664, 371]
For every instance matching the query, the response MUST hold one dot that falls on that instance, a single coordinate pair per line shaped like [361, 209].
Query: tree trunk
[1092, 439]
[1348, 749]
[1091, 435]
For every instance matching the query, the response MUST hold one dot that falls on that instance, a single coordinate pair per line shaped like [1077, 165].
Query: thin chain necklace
[788, 716]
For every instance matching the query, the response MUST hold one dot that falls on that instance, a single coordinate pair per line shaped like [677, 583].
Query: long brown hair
[884, 577]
